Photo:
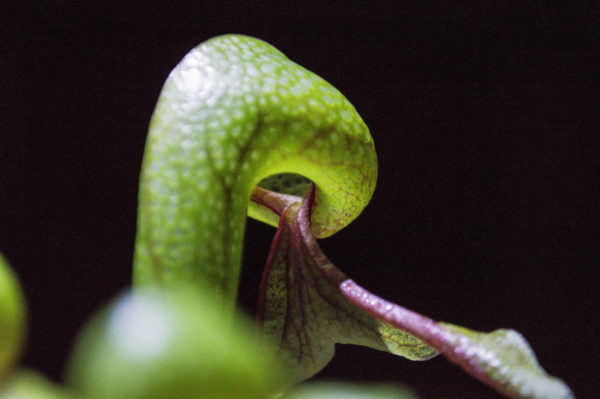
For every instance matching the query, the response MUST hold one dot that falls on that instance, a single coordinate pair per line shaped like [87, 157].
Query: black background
[486, 211]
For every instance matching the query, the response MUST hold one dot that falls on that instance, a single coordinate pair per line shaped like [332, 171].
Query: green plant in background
[26, 384]
[238, 130]
[164, 344]
[17, 384]
[12, 318]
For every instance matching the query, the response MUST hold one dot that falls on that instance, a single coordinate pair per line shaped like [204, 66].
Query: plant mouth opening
[287, 183]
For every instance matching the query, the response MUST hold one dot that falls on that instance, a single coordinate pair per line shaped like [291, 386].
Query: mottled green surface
[12, 318]
[30, 385]
[234, 111]
[166, 344]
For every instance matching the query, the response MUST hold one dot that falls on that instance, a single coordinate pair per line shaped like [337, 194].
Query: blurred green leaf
[12, 318]
[27, 384]
[157, 344]
[342, 390]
